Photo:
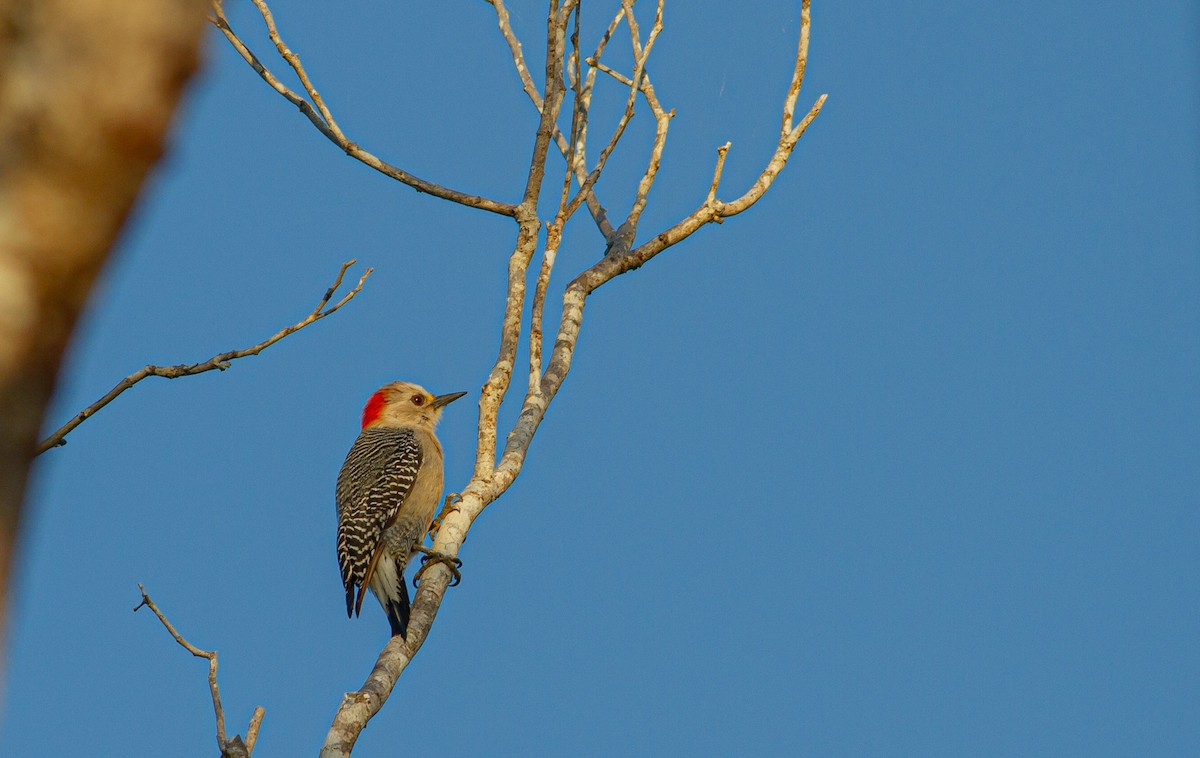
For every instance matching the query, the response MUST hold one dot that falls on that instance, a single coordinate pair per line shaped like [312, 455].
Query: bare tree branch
[324, 120]
[219, 362]
[234, 748]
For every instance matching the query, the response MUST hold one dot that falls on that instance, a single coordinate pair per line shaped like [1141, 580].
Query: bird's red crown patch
[374, 408]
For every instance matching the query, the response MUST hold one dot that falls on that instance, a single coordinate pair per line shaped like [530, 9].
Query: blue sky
[900, 462]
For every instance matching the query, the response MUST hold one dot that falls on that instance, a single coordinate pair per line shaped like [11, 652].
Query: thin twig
[611, 72]
[252, 730]
[293, 60]
[537, 313]
[554, 230]
[322, 118]
[219, 20]
[218, 362]
[579, 119]
[514, 45]
[227, 747]
[722, 151]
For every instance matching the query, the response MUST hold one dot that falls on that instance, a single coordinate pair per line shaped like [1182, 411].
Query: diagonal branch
[219, 362]
[234, 748]
[322, 118]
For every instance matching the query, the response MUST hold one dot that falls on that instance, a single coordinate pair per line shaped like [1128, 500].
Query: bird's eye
[418, 400]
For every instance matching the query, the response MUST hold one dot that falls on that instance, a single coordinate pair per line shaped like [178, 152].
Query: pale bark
[88, 89]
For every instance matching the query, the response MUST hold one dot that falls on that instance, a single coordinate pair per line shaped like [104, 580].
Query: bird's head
[405, 404]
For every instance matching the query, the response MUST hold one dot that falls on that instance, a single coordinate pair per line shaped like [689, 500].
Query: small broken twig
[229, 748]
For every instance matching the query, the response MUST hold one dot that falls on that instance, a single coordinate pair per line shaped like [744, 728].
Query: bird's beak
[441, 400]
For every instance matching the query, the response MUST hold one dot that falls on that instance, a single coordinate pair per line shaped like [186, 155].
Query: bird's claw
[431, 557]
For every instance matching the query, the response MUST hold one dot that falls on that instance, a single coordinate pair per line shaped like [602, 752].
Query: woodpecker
[387, 494]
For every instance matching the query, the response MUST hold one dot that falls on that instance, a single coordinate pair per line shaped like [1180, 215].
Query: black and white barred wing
[374, 482]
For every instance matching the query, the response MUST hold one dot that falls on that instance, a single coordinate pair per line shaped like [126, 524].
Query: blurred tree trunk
[88, 89]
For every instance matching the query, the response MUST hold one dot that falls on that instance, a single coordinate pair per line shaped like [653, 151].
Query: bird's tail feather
[398, 610]
[388, 586]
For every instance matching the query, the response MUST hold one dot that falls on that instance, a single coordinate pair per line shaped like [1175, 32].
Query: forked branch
[236, 747]
[218, 362]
